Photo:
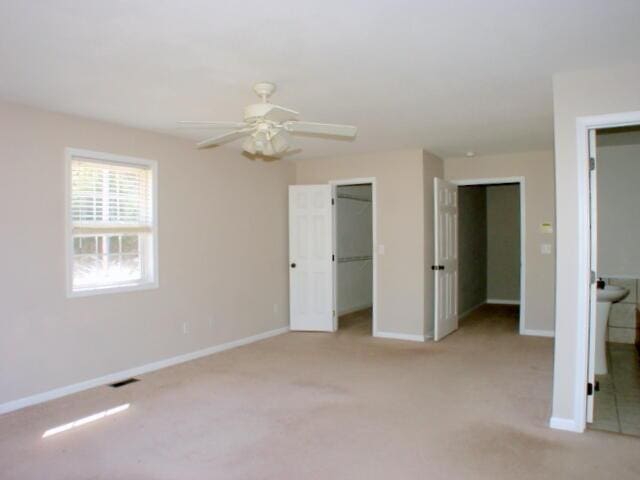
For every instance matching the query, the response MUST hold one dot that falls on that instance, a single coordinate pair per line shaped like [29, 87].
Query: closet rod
[355, 259]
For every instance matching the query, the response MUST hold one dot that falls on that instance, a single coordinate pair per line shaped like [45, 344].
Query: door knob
[293, 265]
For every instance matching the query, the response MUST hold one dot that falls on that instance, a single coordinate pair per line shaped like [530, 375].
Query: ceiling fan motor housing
[264, 89]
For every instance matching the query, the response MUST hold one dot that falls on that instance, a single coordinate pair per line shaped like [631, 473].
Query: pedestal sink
[605, 297]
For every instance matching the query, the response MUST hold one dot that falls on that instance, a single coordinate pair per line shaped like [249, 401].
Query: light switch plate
[381, 249]
[545, 249]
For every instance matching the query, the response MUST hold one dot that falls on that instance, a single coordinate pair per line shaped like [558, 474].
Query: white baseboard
[567, 424]
[498, 301]
[349, 310]
[468, 311]
[132, 372]
[400, 336]
[538, 333]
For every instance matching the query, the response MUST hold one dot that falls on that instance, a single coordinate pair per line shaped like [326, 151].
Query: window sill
[134, 287]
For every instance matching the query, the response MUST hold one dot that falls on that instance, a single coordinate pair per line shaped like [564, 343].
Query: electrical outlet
[185, 328]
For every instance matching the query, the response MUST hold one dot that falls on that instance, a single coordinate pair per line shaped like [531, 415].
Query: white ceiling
[449, 76]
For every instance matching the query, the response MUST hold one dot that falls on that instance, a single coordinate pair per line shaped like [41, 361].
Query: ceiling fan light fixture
[248, 146]
[280, 142]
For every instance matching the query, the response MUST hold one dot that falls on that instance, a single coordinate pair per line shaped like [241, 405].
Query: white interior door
[446, 258]
[311, 258]
[593, 223]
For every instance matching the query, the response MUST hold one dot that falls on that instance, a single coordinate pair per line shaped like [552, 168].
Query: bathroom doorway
[354, 269]
[491, 248]
[613, 401]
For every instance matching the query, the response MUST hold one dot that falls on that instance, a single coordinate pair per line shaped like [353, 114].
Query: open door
[593, 225]
[311, 258]
[446, 258]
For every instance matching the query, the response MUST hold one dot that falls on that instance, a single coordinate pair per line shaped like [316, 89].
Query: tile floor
[617, 404]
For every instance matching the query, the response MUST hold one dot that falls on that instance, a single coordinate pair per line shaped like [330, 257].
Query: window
[112, 244]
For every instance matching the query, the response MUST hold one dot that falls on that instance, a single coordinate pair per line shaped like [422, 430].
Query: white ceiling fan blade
[279, 114]
[321, 129]
[189, 123]
[226, 137]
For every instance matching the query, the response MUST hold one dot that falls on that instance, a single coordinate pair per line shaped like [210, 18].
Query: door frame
[374, 250]
[522, 329]
[585, 304]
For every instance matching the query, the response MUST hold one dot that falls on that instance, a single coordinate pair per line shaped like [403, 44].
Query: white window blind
[112, 224]
[110, 196]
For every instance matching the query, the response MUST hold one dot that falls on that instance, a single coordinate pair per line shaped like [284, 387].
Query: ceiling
[449, 76]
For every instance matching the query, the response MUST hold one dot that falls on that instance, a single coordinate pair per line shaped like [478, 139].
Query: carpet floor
[327, 406]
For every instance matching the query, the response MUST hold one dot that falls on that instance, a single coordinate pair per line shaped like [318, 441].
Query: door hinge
[333, 258]
[589, 389]
[333, 201]
[592, 163]
[334, 313]
[593, 277]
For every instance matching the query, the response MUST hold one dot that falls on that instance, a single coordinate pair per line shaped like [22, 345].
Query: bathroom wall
[618, 172]
[472, 247]
[623, 326]
[354, 248]
[619, 231]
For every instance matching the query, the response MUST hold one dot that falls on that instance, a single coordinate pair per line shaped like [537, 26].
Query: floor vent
[122, 383]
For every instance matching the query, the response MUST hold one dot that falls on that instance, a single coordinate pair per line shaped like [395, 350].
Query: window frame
[152, 259]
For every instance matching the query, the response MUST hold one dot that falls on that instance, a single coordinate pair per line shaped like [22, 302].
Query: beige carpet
[327, 406]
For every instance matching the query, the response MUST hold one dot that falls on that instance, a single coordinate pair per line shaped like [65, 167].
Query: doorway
[354, 268]
[316, 295]
[613, 400]
[491, 247]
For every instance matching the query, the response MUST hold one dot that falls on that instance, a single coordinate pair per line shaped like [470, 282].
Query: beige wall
[400, 189]
[472, 247]
[503, 242]
[223, 255]
[575, 95]
[537, 169]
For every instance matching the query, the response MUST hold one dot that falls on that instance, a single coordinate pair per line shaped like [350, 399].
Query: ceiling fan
[268, 126]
